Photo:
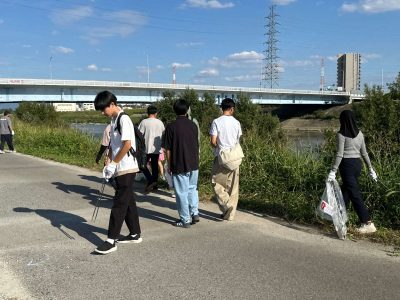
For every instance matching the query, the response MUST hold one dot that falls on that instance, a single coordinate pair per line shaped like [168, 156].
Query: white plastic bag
[332, 208]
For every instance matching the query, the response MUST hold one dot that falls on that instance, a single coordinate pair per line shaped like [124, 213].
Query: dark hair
[6, 112]
[227, 103]
[348, 126]
[104, 99]
[181, 107]
[151, 110]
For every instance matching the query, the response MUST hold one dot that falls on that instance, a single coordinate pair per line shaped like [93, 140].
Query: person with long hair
[350, 147]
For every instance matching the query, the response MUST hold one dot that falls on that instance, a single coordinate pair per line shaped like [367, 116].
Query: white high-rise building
[349, 72]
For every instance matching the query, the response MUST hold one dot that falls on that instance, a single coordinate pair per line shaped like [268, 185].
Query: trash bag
[332, 208]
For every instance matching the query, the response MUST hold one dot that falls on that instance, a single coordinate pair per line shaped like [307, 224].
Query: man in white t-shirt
[153, 130]
[123, 167]
[225, 133]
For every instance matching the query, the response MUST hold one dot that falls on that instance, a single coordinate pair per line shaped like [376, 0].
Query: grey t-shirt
[153, 130]
[350, 148]
[5, 125]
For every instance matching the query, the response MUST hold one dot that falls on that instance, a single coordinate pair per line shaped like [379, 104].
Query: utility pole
[174, 74]
[148, 69]
[322, 80]
[50, 67]
[271, 69]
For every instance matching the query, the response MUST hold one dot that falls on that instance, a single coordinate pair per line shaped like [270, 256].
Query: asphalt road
[47, 239]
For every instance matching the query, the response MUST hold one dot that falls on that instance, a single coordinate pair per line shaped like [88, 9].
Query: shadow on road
[157, 201]
[73, 222]
[87, 193]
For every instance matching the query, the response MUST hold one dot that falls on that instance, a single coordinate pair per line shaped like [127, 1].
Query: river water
[95, 130]
[299, 140]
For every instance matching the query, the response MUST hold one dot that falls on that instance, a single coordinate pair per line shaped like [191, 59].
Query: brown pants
[226, 187]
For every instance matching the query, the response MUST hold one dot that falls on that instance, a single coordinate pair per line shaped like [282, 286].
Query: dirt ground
[313, 123]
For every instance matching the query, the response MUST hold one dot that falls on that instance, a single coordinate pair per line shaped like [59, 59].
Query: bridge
[14, 90]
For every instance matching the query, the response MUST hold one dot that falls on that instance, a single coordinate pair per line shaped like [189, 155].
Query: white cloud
[106, 69]
[371, 55]
[189, 44]
[241, 59]
[300, 63]
[213, 4]
[71, 15]
[62, 50]
[332, 58]
[283, 2]
[1, 21]
[366, 57]
[248, 56]
[92, 67]
[181, 66]
[210, 72]
[26, 46]
[371, 6]
[119, 23]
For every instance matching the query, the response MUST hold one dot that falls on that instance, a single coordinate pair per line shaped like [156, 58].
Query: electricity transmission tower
[271, 68]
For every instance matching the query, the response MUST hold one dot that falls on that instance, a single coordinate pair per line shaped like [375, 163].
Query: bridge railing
[160, 86]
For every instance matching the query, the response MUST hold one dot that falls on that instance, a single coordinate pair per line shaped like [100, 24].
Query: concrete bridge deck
[44, 90]
[47, 239]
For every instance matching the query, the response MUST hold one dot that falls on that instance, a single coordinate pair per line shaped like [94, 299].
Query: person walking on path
[350, 146]
[182, 146]
[123, 167]
[153, 130]
[6, 132]
[225, 134]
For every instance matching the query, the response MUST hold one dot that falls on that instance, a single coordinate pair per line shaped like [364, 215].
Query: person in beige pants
[225, 133]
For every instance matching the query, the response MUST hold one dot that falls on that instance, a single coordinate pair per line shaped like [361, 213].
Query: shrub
[38, 113]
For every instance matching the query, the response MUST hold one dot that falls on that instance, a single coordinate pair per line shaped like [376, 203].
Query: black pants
[124, 207]
[6, 138]
[153, 176]
[350, 170]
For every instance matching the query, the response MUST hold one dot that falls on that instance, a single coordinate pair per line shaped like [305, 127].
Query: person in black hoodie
[350, 146]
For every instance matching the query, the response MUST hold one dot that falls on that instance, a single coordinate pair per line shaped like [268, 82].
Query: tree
[378, 115]
[394, 88]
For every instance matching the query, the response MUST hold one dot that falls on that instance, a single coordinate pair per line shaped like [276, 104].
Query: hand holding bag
[231, 158]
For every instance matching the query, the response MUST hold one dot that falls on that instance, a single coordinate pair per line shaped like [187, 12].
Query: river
[299, 140]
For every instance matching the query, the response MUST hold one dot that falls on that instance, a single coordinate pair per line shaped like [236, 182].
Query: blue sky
[213, 42]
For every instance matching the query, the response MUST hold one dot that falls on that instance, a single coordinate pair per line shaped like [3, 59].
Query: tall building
[349, 72]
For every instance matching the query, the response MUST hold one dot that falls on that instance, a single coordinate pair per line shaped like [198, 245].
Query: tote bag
[231, 158]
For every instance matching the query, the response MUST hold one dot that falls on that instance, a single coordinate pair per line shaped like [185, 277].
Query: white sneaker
[366, 228]
[2, 152]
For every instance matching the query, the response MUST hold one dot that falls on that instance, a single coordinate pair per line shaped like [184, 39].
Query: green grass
[61, 144]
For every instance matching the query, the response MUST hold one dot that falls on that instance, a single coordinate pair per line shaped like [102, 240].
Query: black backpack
[140, 153]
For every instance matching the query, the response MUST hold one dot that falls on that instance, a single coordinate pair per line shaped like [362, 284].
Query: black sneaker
[195, 219]
[106, 247]
[181, 224]
[135, 238]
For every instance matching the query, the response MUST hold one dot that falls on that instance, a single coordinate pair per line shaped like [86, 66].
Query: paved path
[47, 239]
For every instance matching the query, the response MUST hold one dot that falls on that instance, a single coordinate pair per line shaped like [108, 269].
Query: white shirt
[228, 132]
[128, 164]
[152, 129]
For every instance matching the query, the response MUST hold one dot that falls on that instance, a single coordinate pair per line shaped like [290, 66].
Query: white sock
[111, 241]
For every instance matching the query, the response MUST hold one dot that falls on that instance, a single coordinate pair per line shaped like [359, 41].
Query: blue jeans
[187, 197]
